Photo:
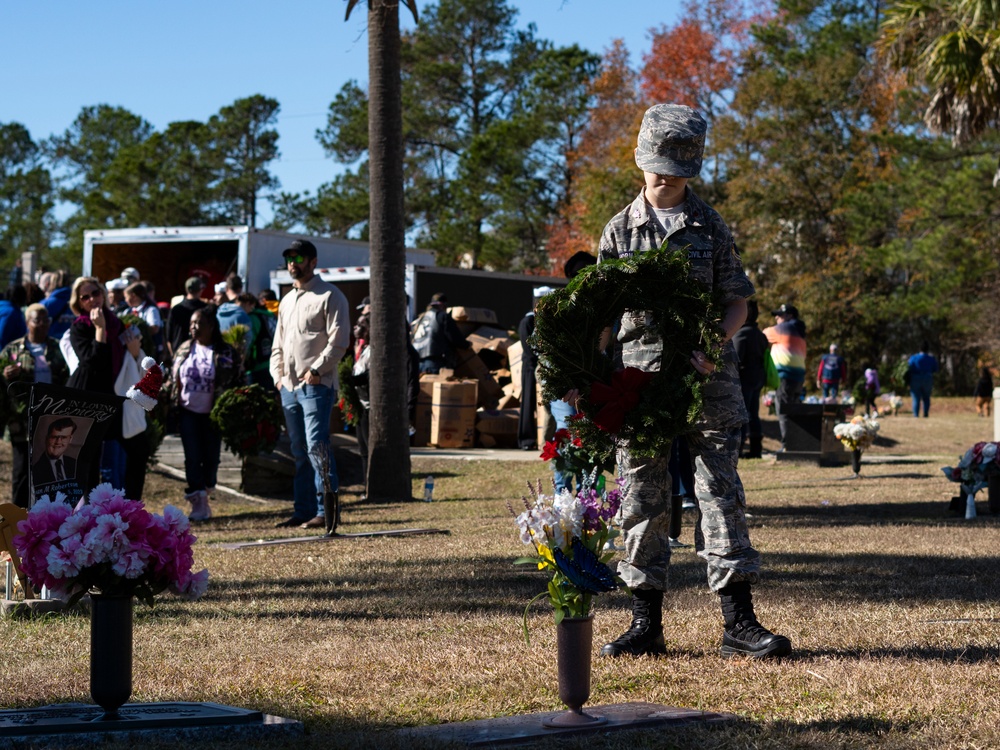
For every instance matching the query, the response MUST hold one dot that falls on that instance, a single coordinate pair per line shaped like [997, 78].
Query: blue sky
[183, 60]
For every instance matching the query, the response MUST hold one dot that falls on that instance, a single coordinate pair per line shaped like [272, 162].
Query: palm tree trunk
[389, 445]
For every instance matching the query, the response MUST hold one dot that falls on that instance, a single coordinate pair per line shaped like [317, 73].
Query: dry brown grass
[891, 604]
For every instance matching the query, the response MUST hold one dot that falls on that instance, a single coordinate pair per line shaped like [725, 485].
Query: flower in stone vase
[858, 434]
[109, 545]
[976, 466]
[568, 533]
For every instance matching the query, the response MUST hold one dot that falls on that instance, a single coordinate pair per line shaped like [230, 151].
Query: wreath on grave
[648, 409]
[249, 419]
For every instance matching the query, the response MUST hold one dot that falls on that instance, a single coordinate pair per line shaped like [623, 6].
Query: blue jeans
[561, 412]
[831, 389]
[202, 447]
[307, 417]
[112, 463]
[920, 389]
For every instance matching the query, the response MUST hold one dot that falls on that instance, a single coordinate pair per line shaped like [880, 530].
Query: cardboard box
[508, 402]
[471, 366]
[492, 360]
[422, 420]
[480, 315]
[453, 413]
[487, 337]
[466, 328]
[491, 346]
[500, 425]
[498, 421]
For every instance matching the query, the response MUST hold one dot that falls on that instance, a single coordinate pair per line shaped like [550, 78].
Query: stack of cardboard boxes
[477, 403]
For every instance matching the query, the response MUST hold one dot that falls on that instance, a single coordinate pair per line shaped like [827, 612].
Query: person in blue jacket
[12, 325]
[922, 365]
[57, 290]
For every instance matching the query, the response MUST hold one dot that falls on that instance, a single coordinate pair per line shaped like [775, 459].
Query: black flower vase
[856, 461]
[110, 653]
[331, 511]
[574, 640]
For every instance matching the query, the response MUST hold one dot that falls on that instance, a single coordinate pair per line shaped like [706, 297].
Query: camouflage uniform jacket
[16, 352]
[715, 264]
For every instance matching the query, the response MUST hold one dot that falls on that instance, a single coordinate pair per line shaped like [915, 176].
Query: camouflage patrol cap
[671, 141]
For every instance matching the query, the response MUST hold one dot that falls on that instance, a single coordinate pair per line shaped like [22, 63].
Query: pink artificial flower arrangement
[110, 545]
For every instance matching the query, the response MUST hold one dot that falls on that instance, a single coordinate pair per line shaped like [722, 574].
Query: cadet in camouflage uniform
[669, 152]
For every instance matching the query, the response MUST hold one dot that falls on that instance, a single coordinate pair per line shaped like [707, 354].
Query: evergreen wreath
[249, 419]
[685, 317]
[349, 402]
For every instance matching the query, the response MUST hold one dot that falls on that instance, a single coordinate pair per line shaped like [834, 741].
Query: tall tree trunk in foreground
[389, 444]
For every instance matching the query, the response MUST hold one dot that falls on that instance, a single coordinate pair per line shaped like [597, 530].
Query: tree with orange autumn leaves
[599, 165]
[694, 62]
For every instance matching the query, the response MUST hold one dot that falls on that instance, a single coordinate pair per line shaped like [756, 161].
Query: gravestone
[810, 437]
[70, 724]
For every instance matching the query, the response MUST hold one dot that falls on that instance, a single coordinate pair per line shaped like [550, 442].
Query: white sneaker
[200, 510]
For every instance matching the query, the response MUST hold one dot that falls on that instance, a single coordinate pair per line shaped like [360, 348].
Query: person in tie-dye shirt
[788, 352]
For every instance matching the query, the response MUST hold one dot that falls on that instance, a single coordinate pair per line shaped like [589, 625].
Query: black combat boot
[743, 634]
[645, 635]
[755, 447]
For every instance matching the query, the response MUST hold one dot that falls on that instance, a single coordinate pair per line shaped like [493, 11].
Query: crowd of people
[92, 335]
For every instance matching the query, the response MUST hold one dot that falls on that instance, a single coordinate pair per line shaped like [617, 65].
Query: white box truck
[167, 256]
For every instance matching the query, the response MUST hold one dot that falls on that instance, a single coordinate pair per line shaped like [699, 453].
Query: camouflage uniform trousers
[721, 536]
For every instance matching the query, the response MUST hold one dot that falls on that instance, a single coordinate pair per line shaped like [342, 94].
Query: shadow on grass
[830, 482]
[845, 513]
[917, 579]
[909, 475]
[397, 587]
[880, 460]
[951, 655]
[419, 476]
[350, 732]
[881, 441]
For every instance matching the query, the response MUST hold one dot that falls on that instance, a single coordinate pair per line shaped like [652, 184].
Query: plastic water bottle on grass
[429, 489]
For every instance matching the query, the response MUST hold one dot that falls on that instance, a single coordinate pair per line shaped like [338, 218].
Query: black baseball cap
[300, 247]
[786, 310]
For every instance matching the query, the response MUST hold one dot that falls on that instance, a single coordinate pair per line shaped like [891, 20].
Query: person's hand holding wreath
[648, 409]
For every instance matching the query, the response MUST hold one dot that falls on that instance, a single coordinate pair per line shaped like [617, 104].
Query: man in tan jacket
[312, 335]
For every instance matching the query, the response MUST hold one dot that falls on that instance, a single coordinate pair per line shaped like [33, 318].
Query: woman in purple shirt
[204, 366]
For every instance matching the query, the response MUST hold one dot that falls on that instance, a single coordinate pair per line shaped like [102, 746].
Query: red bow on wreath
[618, 398]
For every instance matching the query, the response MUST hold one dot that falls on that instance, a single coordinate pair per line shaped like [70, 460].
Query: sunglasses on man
[297, 259]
